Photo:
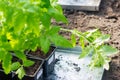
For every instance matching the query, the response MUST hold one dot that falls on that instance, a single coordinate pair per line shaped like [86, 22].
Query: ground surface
[108, 21]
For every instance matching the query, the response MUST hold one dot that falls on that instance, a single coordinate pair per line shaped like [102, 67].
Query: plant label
[51, 59]
[39, 73]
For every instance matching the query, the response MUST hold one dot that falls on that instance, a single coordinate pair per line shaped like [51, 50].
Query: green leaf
[100, 60]
[73, 40]
[6, 64]
[20, 72]
[33, 23]
[100, 40]
[28, 63]
[92, 35]
[86, 51]
[53, 30]
[90, 32]
[108, 50]
[3, 38]
[46, 20]
[97, 60]
[2, 5]
[57, 6]
[15, 66]
[45, 44]
[21, 55]
[60, 41]
[19, 21]
[2, 53]
[9, 15]
[82, 42]
[46, 3]
[57, 15]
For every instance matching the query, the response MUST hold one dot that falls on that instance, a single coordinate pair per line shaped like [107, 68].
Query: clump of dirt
[107, 20]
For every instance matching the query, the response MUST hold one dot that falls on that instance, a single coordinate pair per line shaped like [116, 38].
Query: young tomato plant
[26, 25]
[93, 43]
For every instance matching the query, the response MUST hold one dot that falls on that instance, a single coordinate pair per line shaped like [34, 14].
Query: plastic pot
[38, 74]
[48, 65]
[49, 61]
[69, 67]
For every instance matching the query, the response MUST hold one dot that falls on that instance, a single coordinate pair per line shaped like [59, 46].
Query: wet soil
[108, 21]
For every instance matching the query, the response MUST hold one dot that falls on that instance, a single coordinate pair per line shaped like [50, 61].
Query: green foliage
[93, 44]
[26, 25]
[20, 72]
[28, 63]
[98, 49]
[15, 65]
[7, 63]
[73, 40]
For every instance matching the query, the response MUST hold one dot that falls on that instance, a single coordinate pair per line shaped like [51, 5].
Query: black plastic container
[4, 76]
[38, 75]
[48, 65]
[49, 62]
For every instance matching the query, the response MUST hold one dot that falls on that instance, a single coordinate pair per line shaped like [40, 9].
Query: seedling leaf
[15, 66]
[20, 72]
[28, 63]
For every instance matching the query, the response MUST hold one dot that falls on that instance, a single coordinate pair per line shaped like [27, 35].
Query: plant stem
[77, 33]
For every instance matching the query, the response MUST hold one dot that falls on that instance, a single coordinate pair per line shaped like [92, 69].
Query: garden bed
[108, 21]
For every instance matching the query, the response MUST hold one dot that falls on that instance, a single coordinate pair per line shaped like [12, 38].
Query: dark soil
[39, 53]
[32, 69]
[29, 70]
[4, 76]
[108, 21]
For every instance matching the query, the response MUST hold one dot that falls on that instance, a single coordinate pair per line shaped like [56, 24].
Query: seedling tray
[48, 66]
[49, 62]
[38, 74]
[88, 5]
[69, 67]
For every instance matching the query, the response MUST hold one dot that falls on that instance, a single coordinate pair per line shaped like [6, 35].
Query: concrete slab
[87, 5]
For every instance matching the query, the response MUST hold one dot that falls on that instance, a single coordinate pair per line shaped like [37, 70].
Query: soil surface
[108, 21]
[30, 71]
[39, 53]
